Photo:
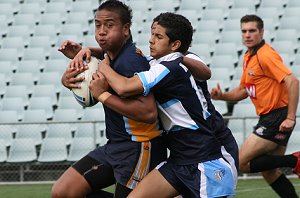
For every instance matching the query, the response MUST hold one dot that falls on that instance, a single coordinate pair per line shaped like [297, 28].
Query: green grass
[245, 189]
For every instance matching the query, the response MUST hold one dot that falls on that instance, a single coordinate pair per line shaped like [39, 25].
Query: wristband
[102, 97]
[291, 119]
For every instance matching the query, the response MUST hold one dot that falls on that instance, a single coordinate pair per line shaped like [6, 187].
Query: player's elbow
[150, 117]
[208, 75]
[122, 92]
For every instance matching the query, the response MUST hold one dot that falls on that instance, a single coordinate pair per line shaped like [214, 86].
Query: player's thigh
[66, 186]
[255, 146]
[153, 185]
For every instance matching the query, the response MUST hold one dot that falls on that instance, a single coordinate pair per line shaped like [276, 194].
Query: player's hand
[216, 93]
[104, 63]
[69, 48]
[98, 85]
[81, 60]
[287, 125]
[69, 78]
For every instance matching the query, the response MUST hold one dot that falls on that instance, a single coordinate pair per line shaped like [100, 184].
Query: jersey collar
[256, 48]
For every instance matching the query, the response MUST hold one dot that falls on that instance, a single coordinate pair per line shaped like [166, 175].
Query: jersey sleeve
[195, 57]
[152, 77]
[131, 63]
[273, 65]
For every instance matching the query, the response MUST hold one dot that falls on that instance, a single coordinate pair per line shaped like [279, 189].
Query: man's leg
[66, 187]
[253, 147]
[279, 183]
[256, 156]
[153, 185]
[82, 178]
[276, 179]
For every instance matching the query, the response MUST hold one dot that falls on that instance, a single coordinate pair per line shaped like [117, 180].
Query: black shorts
[268, 126]
[123, 162]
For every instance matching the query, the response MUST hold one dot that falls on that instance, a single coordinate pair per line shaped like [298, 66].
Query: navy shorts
[208, 179]
[268, 126]
[127, 162]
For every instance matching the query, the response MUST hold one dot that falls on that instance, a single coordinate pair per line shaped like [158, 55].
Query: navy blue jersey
[118, 127]
[182, 110]
[218, 124]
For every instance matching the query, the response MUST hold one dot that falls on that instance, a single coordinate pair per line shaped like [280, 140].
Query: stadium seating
[47, 30]
[42, 102]
[80, 147]
[15, 104]
[59, 130]
[6, 9]
[30, 131]
[14, 42]
[22, 150]
[3, 152]
[53, 150]
[46, 90]
[29, 66]
[17, 91]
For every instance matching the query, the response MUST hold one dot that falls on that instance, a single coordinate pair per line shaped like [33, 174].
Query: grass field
[246, 189]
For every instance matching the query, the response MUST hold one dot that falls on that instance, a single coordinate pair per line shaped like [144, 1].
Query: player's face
[159, 42]
[110, 33]
[251, 35]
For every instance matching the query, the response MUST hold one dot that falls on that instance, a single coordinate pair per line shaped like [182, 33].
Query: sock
[268, 162]
[284, 188]
[100, 193]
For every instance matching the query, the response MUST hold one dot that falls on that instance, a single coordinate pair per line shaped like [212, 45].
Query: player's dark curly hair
[177, 28]
[123, 10]
[253, 18]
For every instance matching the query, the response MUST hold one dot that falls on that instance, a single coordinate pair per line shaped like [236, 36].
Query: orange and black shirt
[263, 74]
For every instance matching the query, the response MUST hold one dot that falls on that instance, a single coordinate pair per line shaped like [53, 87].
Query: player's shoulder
[267, 52]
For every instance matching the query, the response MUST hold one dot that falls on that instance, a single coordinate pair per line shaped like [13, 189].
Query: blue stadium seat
[29, 66]
[14, 42]
[26, 19]
[53, 150]
[22, 150]
[3, 151]
[80, 147]
[32, 131]
[44, 103]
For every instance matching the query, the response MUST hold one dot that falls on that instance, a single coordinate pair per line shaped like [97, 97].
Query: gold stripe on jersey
[142, 132]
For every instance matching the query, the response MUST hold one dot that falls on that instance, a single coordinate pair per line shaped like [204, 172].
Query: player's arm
[140, 108]
[199, 70]
[123, 86]
[292, 86]
[236, 94]
[70, 49]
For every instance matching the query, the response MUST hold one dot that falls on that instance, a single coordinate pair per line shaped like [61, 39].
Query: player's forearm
[141, 109]
[293, 95]
[123, 86]
[199, 70]
[95, 51]
[234, 95]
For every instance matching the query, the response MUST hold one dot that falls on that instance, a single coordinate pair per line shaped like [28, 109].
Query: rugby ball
[83, 95]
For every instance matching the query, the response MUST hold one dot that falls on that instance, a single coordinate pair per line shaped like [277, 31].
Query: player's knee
[274, 173]
[244, 167]
[57, 192]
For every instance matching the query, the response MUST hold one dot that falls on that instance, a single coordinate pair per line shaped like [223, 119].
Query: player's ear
[176, 45]
[126, 29]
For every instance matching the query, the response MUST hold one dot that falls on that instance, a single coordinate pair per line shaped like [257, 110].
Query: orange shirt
[263, 72]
